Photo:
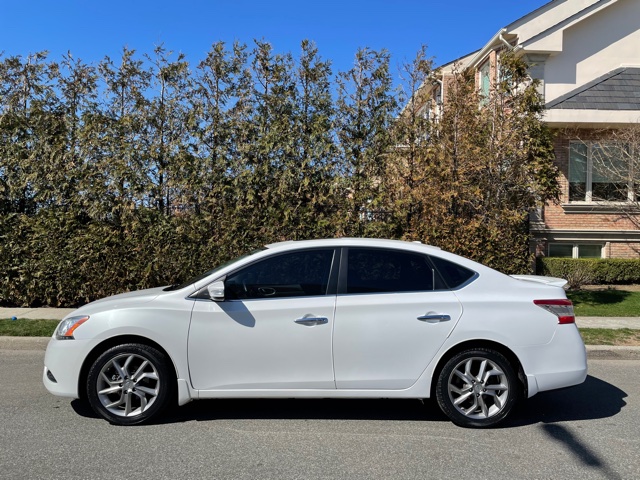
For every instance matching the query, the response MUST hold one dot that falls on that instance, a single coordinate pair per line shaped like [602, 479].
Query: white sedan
[342, 318]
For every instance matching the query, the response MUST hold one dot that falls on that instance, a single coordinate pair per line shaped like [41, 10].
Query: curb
[594, 352]
[610, 352]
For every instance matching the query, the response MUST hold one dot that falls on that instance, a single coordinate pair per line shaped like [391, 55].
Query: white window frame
[576, 247]
[484, 96]
[631, 196]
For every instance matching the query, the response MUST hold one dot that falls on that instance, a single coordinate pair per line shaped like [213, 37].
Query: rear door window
[387, 271]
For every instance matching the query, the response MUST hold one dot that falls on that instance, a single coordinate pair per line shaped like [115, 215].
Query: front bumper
[63, 361]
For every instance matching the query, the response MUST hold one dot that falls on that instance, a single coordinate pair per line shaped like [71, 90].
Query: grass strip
[27, 328]
[627, 337]
[605, 303]
[590, 336]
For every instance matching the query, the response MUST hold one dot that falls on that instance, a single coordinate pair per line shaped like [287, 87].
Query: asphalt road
[590, 431]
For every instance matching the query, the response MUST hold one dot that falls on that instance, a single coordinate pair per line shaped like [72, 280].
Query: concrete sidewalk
[36, 313]
[59, 313]
[608, 322]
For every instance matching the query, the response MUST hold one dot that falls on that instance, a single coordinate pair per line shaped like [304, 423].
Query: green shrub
[599, 271]
[617, 271]
[60, 261]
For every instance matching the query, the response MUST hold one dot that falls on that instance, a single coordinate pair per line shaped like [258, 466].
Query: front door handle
[435, 317]
[312, 320]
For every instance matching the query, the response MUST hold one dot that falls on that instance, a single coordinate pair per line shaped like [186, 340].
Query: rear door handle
[312, 320]
[435, 317]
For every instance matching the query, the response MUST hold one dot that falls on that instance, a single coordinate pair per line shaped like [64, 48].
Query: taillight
[563, 309]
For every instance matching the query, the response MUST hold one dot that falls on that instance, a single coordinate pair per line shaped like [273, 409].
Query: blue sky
[91, 30]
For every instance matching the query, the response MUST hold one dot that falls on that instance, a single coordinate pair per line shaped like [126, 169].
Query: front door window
[299, 274]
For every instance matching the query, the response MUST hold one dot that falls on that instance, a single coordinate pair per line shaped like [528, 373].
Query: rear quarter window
[454, 275]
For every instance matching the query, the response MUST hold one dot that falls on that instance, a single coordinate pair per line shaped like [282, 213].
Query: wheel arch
[489, 344]
[112, 342]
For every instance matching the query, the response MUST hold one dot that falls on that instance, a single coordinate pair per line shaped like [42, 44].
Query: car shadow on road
[593, 399]
[306, 409]
[590, 400]
[83, 409]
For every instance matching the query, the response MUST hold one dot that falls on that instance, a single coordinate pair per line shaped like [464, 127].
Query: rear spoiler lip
[552, 281]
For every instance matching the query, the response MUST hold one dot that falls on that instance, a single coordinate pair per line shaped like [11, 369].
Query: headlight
[67, 326]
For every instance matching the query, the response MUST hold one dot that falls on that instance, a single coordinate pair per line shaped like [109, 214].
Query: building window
[575, 250]
[485, 81]
[600, 172]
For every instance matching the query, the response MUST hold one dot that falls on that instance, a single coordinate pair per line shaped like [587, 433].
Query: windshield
[193, 280]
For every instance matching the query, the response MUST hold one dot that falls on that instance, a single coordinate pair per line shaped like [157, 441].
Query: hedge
[597, 271]
[144, 171]
[58, 261]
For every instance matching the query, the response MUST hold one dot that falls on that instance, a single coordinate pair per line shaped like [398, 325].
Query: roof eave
[486, 49]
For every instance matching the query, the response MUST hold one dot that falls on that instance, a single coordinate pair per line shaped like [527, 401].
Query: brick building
[586, 54]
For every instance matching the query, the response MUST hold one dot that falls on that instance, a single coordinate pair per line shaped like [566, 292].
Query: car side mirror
[216, 291]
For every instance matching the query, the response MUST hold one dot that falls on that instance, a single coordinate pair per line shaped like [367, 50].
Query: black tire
[470, 394]
[131, 383]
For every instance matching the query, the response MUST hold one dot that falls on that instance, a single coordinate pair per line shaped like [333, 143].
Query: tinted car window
[453, 274]
[379, 271]
[296, 274]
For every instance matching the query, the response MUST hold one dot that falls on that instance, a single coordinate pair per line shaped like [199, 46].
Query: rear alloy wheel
[477, 388]
[129, 384]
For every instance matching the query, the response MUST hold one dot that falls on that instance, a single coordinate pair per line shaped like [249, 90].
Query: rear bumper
[560, 363]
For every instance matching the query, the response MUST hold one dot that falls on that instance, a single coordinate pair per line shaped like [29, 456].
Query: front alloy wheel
[129, 384]
[477, 388]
